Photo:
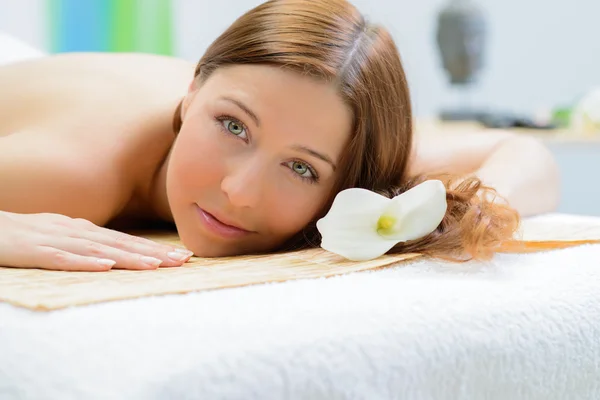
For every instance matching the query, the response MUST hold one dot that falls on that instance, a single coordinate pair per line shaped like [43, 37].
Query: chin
[208, 251]
[207, 247]
[204, 243]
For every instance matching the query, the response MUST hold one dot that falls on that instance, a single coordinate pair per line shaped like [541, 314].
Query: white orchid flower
[363, 225]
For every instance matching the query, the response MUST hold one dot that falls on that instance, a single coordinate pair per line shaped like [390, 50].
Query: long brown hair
[331, 40]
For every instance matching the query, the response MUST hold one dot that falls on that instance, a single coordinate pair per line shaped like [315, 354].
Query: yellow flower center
[385, 223]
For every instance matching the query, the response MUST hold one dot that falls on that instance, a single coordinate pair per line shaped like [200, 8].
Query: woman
[293, 103]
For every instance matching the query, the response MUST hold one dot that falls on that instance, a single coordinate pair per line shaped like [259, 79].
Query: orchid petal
[350, 227]
[416, 212]
[357, 245]
[354, 209]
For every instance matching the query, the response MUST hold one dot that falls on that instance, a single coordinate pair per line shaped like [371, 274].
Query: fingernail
[178, 256]
[185, 251]
[155, 262]
[106, 262]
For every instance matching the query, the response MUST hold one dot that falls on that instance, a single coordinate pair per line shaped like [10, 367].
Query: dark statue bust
[461, 37]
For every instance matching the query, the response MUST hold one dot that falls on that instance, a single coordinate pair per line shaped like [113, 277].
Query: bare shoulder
[77, 85]
[83, 129]
[41, 175]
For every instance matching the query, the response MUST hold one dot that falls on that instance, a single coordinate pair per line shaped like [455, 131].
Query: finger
[124, 259]
[46, 257]
[169, 255]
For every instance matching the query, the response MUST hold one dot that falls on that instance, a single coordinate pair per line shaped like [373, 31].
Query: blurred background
[539, 53]
[538, 56]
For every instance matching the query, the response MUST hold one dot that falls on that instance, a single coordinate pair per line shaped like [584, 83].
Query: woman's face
[255, 158]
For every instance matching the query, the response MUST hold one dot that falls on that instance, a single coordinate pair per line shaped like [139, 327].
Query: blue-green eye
[235, 127]
[302, 169]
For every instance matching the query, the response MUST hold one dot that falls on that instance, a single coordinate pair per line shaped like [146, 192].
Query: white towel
[13, 50]
[519, 327]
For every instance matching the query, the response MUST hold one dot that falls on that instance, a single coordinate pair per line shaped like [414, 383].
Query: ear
[193, 86]
[187, 100]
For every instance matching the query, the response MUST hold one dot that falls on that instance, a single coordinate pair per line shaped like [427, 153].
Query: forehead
[300, 108]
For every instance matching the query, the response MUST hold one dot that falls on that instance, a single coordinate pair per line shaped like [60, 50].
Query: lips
[220, 227]
[224, 222]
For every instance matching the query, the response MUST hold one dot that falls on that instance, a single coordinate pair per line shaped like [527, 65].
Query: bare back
[80, 133]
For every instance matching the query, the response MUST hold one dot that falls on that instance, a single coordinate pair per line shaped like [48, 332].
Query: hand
[54, 241]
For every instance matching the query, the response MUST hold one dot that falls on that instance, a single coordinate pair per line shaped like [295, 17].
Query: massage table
[521, 326]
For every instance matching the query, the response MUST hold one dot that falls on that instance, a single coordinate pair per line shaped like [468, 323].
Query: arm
[520, 168]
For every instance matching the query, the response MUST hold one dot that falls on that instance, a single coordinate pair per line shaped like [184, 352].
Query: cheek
[290, 210]
[196, 160]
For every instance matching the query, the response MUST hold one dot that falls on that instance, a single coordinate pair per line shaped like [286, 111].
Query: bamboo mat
[49, 290]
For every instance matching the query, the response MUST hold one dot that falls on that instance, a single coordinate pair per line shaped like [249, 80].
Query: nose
[243, 184]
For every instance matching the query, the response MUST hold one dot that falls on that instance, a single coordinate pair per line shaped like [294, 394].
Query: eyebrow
[315, 154]
[303, 149]
[244, 108]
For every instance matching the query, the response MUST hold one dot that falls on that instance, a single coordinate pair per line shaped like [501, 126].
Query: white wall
[25, 19]
[579, 167]
[541, 53]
